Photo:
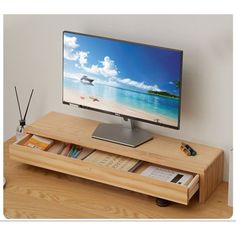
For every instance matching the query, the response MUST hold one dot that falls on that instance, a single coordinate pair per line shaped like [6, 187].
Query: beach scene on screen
[120, 77]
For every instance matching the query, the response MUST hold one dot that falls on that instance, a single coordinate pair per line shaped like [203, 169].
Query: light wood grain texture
[123, 179]
[161, 150]
[164, 151]
[37, 193]
[193, 187]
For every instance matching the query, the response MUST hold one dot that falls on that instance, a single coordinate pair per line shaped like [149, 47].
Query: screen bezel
[118, 114]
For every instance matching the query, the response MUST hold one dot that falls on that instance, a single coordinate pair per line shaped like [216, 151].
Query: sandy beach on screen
[99, 103]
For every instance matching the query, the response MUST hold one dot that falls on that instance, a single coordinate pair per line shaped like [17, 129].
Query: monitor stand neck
[127, 123]
[124, 133]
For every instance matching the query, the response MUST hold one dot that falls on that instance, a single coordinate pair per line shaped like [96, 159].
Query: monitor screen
[127, 79]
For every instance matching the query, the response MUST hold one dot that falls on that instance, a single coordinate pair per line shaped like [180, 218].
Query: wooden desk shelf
[207, 166]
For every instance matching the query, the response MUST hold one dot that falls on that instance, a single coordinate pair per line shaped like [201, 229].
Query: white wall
[33, 59]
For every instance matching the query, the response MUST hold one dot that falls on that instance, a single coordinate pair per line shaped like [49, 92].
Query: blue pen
[71, 151]
[76, 152]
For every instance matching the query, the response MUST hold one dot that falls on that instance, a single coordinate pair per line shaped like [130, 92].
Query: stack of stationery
[65, 149]
[39, 142]
[75, 151]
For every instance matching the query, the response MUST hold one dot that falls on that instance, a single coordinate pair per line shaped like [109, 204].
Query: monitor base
[116, 133]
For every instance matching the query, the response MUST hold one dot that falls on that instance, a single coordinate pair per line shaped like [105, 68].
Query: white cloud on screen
[94, 69]
[70, 55]
[140, 85]
[108, 68]
[70, 44]
[83, 57]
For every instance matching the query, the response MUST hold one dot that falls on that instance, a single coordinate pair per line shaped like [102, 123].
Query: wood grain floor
[32, 192]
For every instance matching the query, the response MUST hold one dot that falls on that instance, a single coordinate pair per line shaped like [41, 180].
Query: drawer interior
[189, 189]
[84, 153]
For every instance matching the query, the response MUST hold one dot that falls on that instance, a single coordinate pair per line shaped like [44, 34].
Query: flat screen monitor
[127, 79]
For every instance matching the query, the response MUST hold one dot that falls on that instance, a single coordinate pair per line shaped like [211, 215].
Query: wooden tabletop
[33, 192]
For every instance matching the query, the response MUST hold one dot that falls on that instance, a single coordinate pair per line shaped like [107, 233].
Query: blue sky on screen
[121, 64]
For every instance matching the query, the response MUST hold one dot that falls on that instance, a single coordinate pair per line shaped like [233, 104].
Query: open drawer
[127, 180]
